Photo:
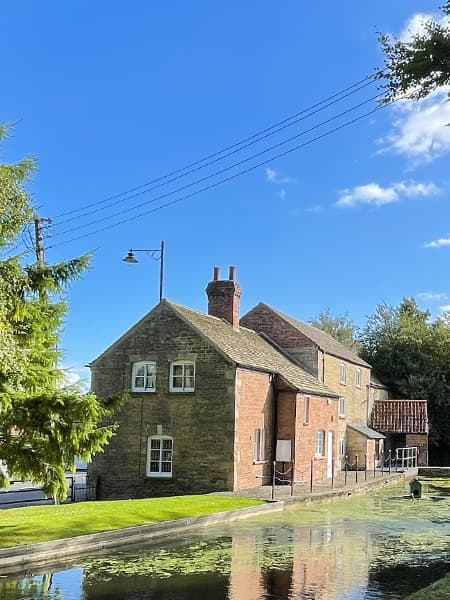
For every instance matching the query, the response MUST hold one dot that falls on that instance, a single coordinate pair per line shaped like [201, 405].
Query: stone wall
[200, 422]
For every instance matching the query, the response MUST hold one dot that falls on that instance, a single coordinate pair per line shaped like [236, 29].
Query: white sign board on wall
[283, 452]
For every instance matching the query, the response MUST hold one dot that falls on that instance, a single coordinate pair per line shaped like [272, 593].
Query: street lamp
[156, 254]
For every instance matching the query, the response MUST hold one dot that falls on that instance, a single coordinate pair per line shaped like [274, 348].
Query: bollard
[356, 472]
[311, 477]
[273, 480]
[292, 477]
[365, 467]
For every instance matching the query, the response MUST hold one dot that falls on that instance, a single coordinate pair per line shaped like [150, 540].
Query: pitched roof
[366, 431]
[400, 416]
[324, 340]
[375, 382]
[248, 349]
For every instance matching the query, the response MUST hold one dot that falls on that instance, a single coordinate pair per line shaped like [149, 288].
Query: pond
[380, 546]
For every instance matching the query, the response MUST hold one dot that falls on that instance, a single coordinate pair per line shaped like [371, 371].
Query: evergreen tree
[44, 424]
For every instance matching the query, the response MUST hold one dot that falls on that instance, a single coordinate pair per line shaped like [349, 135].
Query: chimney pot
[216, 274]
[232, 273]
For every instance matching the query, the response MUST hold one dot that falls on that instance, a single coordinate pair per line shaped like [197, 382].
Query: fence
[352, 471]
[80, 488]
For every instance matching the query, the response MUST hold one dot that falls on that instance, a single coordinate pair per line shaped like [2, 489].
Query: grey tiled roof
[324, 340]
[246, 348]
[369, 433]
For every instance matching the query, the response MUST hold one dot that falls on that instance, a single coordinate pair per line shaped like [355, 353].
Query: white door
[329, 454]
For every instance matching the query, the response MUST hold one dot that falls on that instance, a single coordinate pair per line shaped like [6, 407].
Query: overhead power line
[232, 149]
[231, 177]
[215, 173]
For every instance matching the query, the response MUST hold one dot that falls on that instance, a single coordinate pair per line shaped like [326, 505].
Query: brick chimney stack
[223, 297]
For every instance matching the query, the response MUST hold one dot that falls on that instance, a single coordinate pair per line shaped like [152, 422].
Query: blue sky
[110, 95]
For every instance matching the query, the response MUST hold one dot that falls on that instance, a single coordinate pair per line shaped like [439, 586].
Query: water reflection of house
[310, 562]
[404, 424]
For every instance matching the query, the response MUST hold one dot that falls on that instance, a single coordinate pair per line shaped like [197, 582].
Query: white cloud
[377, 195]
[439, 243]
[416, 25]
[420, 130]
[273, 176]
[282, 194]
[430, 296]
[315, 208]
[445, 308]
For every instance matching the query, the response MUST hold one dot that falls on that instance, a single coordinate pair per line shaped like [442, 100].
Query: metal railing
[353, 470]
[406, 457]
[80, 488]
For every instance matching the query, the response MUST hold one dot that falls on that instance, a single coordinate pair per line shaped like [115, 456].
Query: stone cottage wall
[200, 422]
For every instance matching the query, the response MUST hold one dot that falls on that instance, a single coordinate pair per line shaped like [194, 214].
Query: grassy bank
[34, 524]
[439, 590]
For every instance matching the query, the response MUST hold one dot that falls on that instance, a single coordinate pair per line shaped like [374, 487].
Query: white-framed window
[144, 377]
[259, 440]
[306, 410]
[319, 449]
[342, 447]
[182, 376]
[358, 378]
[159, 456]
[342, 373]
[342, 406]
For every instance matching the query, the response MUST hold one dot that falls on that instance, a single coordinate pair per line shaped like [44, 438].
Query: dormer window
[182, 376]
[144, 377]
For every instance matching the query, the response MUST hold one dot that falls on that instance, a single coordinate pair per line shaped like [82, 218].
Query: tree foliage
[341, 327]
[421, 65]
[44, 424]
[411, 354]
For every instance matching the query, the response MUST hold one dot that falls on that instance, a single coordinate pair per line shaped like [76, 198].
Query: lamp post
[156, 254]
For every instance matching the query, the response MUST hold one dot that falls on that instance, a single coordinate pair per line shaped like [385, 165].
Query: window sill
[319, 458]
[144, 391]
[181, 391]
[160, 477]
[341, 416]
[305, 423]
[259, 462]
[343, 382]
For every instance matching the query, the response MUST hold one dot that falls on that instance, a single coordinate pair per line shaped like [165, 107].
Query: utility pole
[39, 239]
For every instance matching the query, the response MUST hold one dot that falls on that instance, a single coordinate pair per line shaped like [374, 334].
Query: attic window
[144, 377]
[182, 376]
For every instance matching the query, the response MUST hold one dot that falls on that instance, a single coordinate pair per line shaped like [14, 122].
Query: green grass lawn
[44, 523]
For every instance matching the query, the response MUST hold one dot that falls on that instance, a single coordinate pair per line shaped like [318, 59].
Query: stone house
[212, 404]
[333, 364]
